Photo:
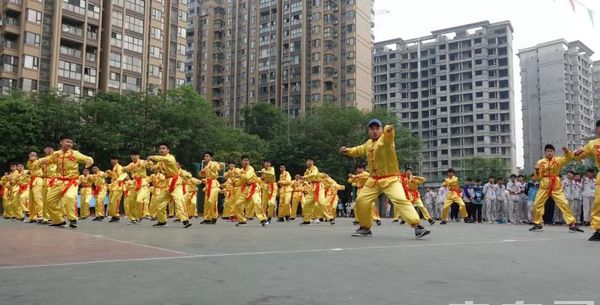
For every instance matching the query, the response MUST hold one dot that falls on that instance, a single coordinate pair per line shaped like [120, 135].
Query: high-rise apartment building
[596, 77]
[290, 53]
[453, 88]
[557, 94]
[82, 46]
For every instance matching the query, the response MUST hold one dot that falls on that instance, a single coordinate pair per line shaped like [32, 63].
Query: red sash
[138, 183]
[252, 191]
[317, 189]
[173, 183]
[208, 187]
[96, 190]
[271, 190]
[32, 180]
[70, 182]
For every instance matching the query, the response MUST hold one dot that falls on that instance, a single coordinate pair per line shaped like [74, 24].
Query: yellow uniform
[36, 191]
[210, 173]
[190, 197]
[117, 186]
[331, 195]
[159, 185]
[99, 192]
[6, 195]
[299, 190]
[413, 183]
[383, 164]
[285, 195]
[174, 191]
[226, 189]
[454, 195]
[314, 204]
[140, 193]
[249, 196]
[547, 172]
[49, 175]
[13, 208]
[358, 181]
[65, 185]
[592, 149]
[269, 191]
[129, 200]
[85, 195]
[23, 181]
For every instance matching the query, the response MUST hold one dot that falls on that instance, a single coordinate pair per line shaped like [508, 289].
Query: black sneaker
[205, 222]
[97, 219]
[292, 218]
[575, 229]
[159, 224]
[431, 221]
[305, 223]
[264, 223]
[378, 222]
[186, 224]
[240, 224]
[32, 221]
[595, 237]
[420, 231]
[73, 225]
[225, 217]
[355, 222]
[332, 221]
[213, 222]
[269, 219]
[114, 219]
[402, 222]
[62, 224]
[177, 220]
[443, 222]
[172, 216]
[250, 218]
[395, 220]
[280, 219]
[362, 232]
[537, 228]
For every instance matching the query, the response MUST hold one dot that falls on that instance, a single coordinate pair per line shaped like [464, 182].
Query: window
[133, 44]
[93, 11]
[69, 89]
[115, 60]
[70, 51]
[155, 52]
[117, 19]
[134, 24]
[154, 71]
[157, 33]
[181, 66]
[182, 15]
[31, 62]
[115, 80]
[131, 82]
[116, 39]
[181, 49]
[181, 32]
[32, 39]
[9, 63]
[89, 75]
[132, 63]
[136, 6]
[34, 16]
[69, 70]
[118, 3]
[72, 29]
[77, 6]
[29, 84]
[157, 15]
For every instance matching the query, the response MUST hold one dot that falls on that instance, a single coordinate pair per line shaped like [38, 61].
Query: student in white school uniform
[514, 199]
[440, 198]
[489, 201]
[587, 193]
[430, 200]
[523, 210]
[501, 202]
[577, 199]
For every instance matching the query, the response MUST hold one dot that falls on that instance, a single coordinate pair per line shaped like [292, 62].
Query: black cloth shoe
[431, 221]
[177, 220]
[264, 223]
[362, 232]
[332, 221]
[114, 219]
[240, 224]
[595, 237]
[305, 223]
[205, 222]
[280, 219]
[378, 222]
[402, 222]
[97, 219]
[355, 222]
[443, 222]
[73, 224]
[395, 220]
[536, 228]
[214, 221]
[159, 224]
[186, 224]
[574, 229]
[62, 224]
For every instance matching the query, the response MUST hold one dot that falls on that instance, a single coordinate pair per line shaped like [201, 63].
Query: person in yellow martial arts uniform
[249, 196]
[65, 186]
[159, 184]
[36, 188]
[23, 181]
[6, 195]
[172, 173]
[547, 172]
[13, 205]
[49, 175]
[314, 204]
[382, 161]
[413, 183]
[191, 196]
[117, 187]
[358, 181]
[99, 191]
[269, 189]
[85, 193]
[129, 199]
[332, 188]
[210, 173]
[230, 191]
[454, 195]
[592, 149]
[299, 190]
[284, 211]
[138, 169]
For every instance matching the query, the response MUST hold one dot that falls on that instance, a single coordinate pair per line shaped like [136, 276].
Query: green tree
[264, 120]
[20, 128]
[482, 168]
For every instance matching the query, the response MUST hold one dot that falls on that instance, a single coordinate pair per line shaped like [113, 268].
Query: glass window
[32, 39]
[34, 16]
[132, 63]
[29, 84]
[115, 60]
[31, 62]
[134, 24]
[136, 6]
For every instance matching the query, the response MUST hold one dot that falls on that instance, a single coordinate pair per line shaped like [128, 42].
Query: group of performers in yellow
[47, 190]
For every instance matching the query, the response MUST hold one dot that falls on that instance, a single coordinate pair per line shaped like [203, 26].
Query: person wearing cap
[209, 174]
[249, 196]
[284, 211]
[547, 171]
[174, 190]
[358, 181]
[413, 183]
[382, 161]
[268, 188]
[314, 203]
[64, 188]
[592, 149]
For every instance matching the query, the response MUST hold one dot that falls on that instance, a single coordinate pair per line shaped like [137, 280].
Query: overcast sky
[534, 21]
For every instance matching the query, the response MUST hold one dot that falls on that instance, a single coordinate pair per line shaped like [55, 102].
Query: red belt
[173, 183]
[32, 180]
[252, 190]
[138, 183]
[271, 190]
[23, 188]
[208, 187]
[552, 184]
[51, 183]
[333, 197]
[192, 194]
[97, 190]
[70, 182]
[317, 189]
[415, 194]
[184, 188]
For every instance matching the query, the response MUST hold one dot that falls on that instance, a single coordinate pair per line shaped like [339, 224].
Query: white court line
[274, 252]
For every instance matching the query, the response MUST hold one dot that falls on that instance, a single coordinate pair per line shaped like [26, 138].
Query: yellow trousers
[24, 200]
[297, 199]
[211, 210]
[374, 210]
[249, 201]
[451, 198]
[153, 203]
[85, 196]
[190, 204]
[559, 198]
[314, 204]
[59, 196]
[172, 208]
[418, 204]
[36, 199]
[114, 201]
[392, 188]
[99, 208]
[5, 204]
[135, 201]
[268, 200]
[595, 212]
[163, 198]
[15, 209]
[229, 202]
[285, 210]
[45, 191]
